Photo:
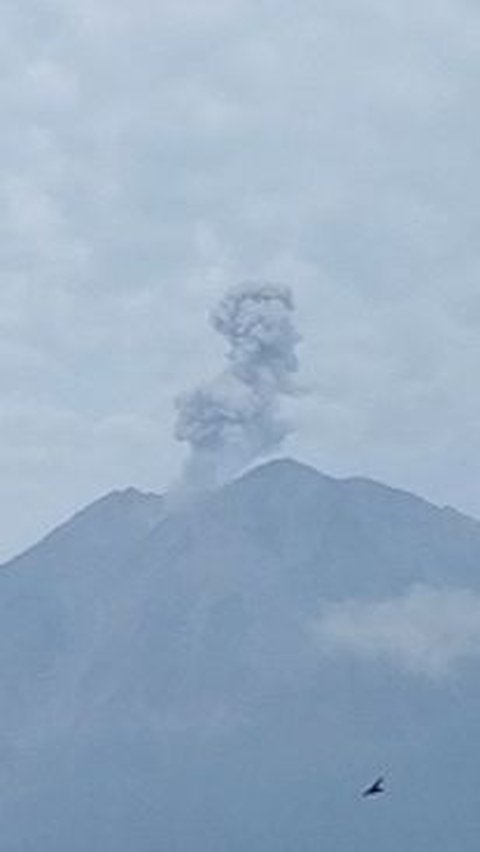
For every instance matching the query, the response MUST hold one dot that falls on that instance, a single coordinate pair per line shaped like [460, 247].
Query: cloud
[234, 419]
[153, 152]
[427, 631]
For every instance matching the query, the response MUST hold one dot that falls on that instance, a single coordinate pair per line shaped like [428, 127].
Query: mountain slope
[163, 687]
[53, 599]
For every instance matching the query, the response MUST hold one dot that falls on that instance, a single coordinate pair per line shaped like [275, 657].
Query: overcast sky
[155, 152]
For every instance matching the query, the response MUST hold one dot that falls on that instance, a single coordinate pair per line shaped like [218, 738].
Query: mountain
[167, 682]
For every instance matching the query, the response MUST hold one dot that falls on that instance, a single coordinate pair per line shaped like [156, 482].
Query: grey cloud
[156, 151]
[427, 631]
[235, 418]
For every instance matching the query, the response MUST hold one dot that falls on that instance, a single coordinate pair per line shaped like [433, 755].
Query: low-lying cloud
[426, 631]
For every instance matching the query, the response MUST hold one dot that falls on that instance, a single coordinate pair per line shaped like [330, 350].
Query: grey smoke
[236, 418]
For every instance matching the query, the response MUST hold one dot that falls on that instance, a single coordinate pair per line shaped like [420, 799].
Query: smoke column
[235, 418]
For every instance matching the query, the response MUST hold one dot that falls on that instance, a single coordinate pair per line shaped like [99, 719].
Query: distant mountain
[163, 685]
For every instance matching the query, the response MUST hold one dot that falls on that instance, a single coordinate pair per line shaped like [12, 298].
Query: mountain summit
[207, 678]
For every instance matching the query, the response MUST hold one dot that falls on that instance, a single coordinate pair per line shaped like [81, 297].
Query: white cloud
[427, 631]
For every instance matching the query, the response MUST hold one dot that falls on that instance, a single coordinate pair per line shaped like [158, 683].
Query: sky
[154, 154]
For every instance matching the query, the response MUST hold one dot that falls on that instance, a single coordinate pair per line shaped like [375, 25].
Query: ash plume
[235, 418]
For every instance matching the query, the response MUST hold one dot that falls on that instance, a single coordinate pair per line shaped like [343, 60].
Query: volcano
[164, 687]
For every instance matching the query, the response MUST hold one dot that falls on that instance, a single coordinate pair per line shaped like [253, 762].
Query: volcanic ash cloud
[234, 419]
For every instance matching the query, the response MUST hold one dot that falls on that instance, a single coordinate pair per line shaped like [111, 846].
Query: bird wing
[376, 787]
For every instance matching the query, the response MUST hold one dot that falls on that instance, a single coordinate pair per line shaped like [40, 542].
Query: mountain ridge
[166, 684]
[157, 505]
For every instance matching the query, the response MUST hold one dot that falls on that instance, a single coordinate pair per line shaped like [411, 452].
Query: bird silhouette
[375, 788]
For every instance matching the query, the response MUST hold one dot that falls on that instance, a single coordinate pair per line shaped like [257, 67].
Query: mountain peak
[284, 467]
[282, 474]
[112, 523]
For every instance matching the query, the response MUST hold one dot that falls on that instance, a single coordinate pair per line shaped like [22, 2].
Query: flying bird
[375, 788]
